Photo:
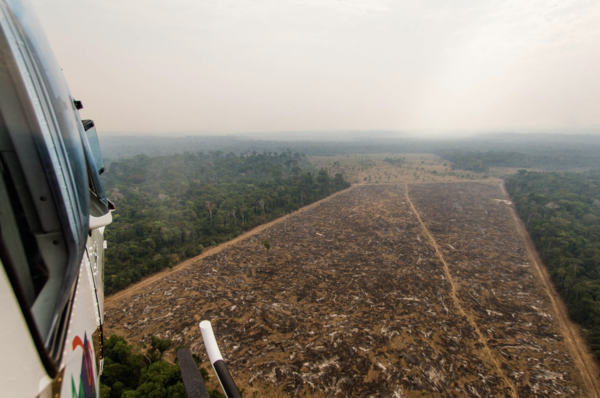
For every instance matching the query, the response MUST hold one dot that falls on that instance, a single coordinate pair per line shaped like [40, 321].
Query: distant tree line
[562, 214]
[171, 207]
[481, 162]
[552, 146]
[395, 161]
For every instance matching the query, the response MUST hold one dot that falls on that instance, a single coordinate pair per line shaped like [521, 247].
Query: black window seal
[49, 363]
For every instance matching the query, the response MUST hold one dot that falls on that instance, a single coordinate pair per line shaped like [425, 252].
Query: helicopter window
[92, 137]
[12, 247]
[99, 204]
[44, 203]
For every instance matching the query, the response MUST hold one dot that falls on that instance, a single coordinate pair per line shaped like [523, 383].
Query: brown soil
[371, 292]
[416, 168]
[583, 357]
[457, 302]
[124, 294]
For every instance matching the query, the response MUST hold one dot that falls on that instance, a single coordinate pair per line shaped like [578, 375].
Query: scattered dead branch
[353, 301]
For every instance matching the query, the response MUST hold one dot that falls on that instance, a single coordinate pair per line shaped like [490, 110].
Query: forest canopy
[171, 207]
[562, 214]
[138, 371]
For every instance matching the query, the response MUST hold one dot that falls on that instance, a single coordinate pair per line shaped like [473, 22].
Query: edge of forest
[134, 288]
[582, 355]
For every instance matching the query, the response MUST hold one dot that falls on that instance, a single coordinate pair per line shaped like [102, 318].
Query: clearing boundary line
[581, 355]
[137, 286]
[456, 299]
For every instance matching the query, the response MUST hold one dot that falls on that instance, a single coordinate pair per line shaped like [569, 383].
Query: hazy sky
[227, 66]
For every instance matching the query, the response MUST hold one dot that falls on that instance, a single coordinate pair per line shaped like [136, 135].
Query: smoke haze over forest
[232, 67]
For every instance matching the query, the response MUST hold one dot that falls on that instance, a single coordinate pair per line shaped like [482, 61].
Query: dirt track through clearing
[139, 286]
[295, 321]
[456, 299]
[581, 354]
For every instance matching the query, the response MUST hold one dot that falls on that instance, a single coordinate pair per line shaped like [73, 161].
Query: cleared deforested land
[383, 290]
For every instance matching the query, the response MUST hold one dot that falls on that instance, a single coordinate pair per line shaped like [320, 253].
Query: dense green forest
[139, 372]
[171, 207]
[481, 162]
[562, 214]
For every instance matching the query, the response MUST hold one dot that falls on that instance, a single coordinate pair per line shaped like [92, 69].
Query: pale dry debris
[365, 309]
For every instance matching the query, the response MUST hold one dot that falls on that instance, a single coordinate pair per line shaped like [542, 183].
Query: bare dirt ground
[582, 355]
[414, 168]
[454, 295]
[378, 291]
[499, 286]
[118, 297]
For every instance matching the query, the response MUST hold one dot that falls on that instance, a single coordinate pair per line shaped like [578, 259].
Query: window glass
[44, 177]
[92, 137]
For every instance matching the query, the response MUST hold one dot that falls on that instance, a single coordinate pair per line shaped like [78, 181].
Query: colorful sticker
[87, 382]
